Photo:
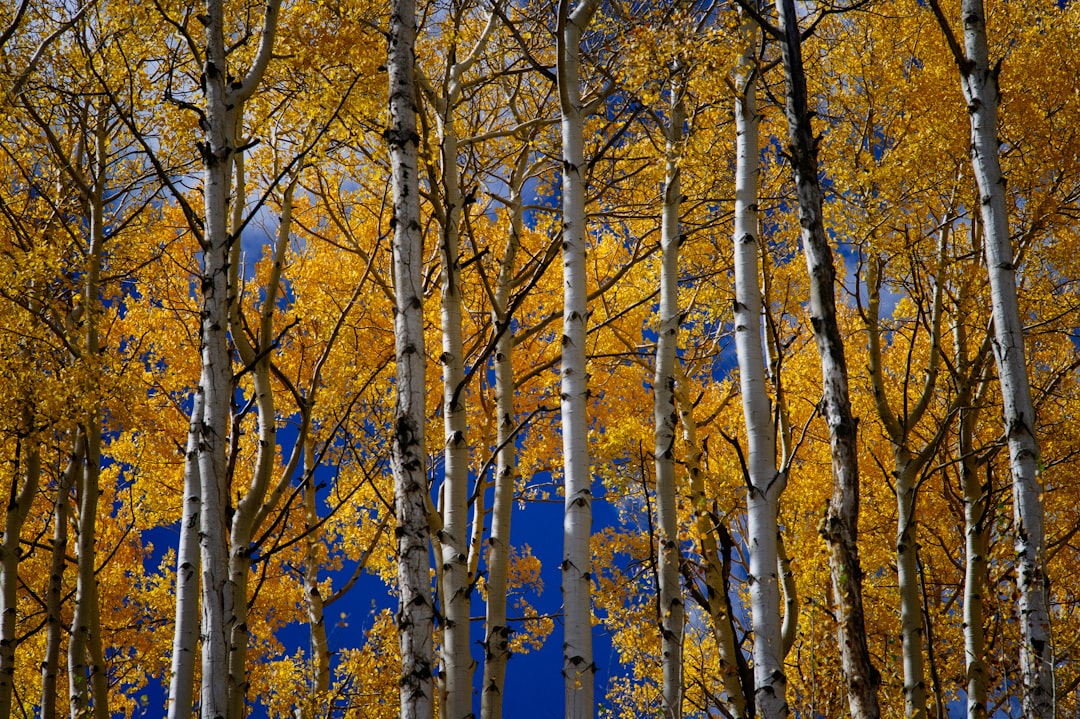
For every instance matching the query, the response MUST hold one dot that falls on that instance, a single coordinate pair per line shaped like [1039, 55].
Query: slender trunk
[215, 382]
[931, 657]
[905, 473]
[224, 94]
[454, 541]
[765, 482]
[706, 530]
[976, 569]
[665, 417]
[578, 667]
[408, 457]
[911, 623]
[907, 465]
[790, 627]
[496, 642]
[454, 538]
[85, 648]
[980, 85]
[774, 360]
[54, 597]
[320, 647]
[186, 631]
[840, 526]
[977, 497]
[257, 358]
[18, 506]
[86, 674]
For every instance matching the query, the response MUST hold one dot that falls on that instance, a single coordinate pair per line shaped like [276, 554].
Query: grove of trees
[305, 297]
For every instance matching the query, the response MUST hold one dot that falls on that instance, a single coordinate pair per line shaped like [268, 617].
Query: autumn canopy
[310, 311]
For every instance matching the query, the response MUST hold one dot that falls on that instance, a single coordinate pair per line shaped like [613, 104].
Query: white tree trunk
[215, 383]
[905, 473]
[977, 522]
[672, 615]
[14, 518]
[320, 647]
[224, 95]
[496, 641]
[765, 482]
[186, 631]
[251, 508]
[973, 378]
[980, 85]
[790, 627]
[85, 655]
[840, 527]
[454, 537]
[86, 671]
[578, 667]
[407, 453]
[50, 666]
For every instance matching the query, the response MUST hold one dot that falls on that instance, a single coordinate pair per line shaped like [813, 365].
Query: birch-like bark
[86, 667]
[907, 465]
[840, 526]
[905, 474]
[256, 357]
[186, 631]
[454, 538]
[496, 641]
[706, 530]
[976, 569]
[980, 86]
[578, 667]
[665, 417]
[54, 593]
[407, 454]
[23, 490]
[224, 95]
[215, 382]
[765, 482]
[320, 647]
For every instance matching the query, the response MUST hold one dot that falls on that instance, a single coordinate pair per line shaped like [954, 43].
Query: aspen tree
[786, 441]
[320, 648]
[408, 457]
[765, 484]
[908, 462]
[85, 173]
[186, 615]
[85, 643]
[455, 593]
[979, 83]
[79, 145]
[224, 95]
[578, 667]
[672, 615]
[840, 525]
[25, 481]
[497, 637]
[50, 666]
[262, 493]
[977, 513]
[27, 484]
